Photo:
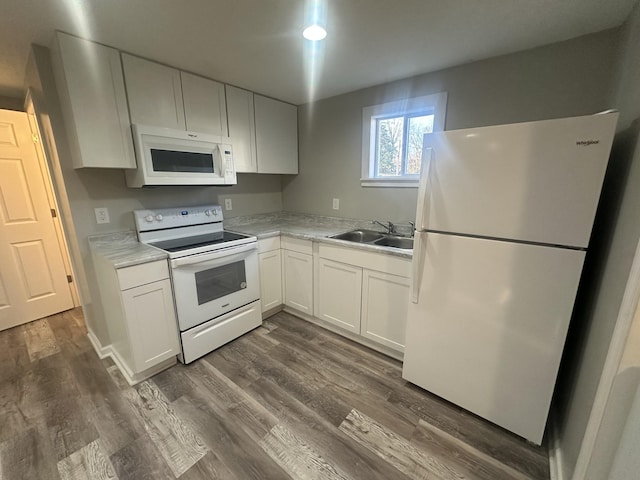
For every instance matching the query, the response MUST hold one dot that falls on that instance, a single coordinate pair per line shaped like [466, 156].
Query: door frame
[55, 196]
[630, 303]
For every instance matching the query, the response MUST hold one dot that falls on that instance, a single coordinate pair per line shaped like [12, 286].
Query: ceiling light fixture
[314, 33]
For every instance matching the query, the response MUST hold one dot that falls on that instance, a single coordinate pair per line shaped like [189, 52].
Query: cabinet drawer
[366, 259]
[142, 274]
[268, 244]
[298, 245]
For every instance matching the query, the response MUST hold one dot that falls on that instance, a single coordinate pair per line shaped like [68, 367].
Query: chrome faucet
[390, 227]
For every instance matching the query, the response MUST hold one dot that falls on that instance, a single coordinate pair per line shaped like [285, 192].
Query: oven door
[211, 284]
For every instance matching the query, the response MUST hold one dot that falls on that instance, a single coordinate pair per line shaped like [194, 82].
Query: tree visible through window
[399, 144]
[392, 136]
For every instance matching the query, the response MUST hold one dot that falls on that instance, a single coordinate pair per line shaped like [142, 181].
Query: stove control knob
[215, 212]
[149, 218]
[159, 217]
[208, 212]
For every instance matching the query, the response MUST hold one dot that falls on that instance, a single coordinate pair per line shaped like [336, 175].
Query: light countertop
[122, 249]
[308, 227]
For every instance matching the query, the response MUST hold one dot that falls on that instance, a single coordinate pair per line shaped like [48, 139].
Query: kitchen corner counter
[122, 249]
[309, 227]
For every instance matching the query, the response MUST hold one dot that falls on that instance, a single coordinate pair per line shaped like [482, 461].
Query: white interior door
[33, 281]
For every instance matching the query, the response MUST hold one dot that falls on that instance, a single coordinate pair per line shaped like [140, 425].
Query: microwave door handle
[220, 159]
[213, 256]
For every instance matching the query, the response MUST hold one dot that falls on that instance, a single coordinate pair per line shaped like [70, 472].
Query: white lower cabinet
[298, 280]
[365, 293]
[152, 323]
[270, 279]
[137, 303]
[385, 299]
[361, 292]
[339, 291]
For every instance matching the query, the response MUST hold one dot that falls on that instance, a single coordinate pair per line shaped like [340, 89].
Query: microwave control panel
[229, 168]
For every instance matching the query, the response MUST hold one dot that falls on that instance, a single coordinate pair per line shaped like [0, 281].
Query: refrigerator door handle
[423, 206]
[422, 209]
[417, 265]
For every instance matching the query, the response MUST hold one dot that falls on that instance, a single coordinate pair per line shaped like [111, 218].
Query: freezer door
[536, 181]
[488, 331]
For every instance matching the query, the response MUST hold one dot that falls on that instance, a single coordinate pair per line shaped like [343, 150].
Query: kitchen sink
[360, 236]
[397, 242]
[372, 237]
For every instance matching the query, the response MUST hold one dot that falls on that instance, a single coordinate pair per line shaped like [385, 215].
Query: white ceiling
[256, 44]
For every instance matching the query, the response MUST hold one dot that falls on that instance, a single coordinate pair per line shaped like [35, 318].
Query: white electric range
[216, 284]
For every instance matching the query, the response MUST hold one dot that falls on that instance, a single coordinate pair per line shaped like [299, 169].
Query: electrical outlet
[228, 205]
[336, 204]
[102, 215]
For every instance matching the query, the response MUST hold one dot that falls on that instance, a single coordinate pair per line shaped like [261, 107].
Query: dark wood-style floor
[288, 400]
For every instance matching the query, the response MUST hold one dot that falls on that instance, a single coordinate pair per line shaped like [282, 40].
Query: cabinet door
[276, 136]
[270, 279]
[340, 294]
[240, 118]
[205, 107]
[154, 92]
[384, 308]
[298, 281]
[94, 103]
[151, 323]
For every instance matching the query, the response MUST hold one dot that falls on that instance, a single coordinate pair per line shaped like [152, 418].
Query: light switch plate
[228, 205]
[102, 215]
[336, 204]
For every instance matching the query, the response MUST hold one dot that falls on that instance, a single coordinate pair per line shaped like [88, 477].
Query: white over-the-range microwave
[167, 156]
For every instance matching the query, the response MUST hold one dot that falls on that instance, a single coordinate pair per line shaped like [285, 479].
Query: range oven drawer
[200, 340]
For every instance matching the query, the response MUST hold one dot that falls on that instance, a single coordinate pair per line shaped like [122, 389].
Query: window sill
[389, 182]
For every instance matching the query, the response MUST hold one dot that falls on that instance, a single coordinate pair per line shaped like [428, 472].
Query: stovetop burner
[188, 243]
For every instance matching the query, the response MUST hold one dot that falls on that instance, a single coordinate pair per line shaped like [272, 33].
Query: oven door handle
[206, 257]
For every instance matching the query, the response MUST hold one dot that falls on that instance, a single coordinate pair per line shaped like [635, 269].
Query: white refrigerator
[504, 218]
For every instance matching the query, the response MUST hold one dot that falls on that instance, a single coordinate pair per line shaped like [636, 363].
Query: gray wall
[615, 238]
[11, 103]
[90, 188]
[563, 79]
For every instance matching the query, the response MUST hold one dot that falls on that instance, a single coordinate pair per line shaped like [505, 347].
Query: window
[392, 136]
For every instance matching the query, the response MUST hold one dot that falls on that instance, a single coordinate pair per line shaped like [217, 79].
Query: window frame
[435, 104]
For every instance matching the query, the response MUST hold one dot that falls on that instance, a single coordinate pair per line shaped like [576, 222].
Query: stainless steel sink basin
[360, 236]
[375, 238]
[397, 242]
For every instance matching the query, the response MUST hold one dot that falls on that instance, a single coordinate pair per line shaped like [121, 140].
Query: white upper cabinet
[205, 107]
[166, 97]
[94, 103]
[276, 135]
[154, 92]
[242, 131]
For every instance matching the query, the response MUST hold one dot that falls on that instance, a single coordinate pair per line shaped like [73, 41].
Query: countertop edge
[396, 252]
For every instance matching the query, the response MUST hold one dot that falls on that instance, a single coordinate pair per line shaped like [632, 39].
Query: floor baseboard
[103, 352]
[555, 452]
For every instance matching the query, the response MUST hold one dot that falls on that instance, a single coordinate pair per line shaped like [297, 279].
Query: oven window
[220, 281]
[173, 161]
